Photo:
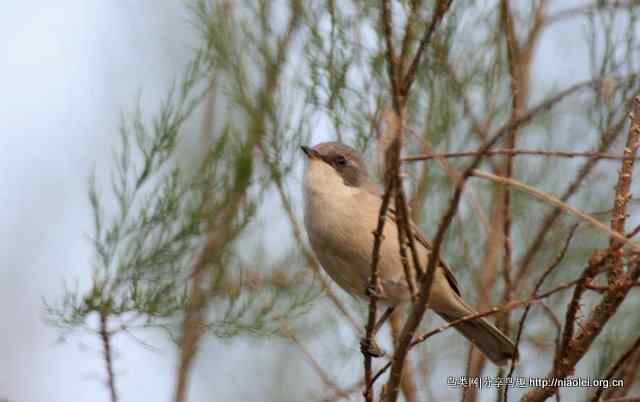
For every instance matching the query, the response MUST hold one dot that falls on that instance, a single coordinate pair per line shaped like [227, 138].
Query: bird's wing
[422, 239]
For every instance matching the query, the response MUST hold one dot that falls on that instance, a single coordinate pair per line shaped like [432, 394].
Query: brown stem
[392, 62]
[570, 318]
[105, 336]
[404, 230]
[408, 384]
[616, 366]
[372, 292]
[324, 376]
[441, 9]
[548, 198]
[534, 293]
[519, 152]
[623, 195]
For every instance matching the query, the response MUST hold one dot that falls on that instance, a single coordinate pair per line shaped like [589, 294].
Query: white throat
[322, 180]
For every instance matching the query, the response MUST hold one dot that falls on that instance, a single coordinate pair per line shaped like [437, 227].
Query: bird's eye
[341, 160]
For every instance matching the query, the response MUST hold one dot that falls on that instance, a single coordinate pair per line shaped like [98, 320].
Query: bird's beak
[310, 152]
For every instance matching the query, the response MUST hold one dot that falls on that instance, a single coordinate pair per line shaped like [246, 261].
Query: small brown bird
[342, 204]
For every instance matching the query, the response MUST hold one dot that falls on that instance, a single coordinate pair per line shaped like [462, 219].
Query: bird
[341, 210]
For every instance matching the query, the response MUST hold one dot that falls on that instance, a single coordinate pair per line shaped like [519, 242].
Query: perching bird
[341, 211]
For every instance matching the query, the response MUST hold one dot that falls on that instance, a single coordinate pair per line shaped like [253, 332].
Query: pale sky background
[67, 71]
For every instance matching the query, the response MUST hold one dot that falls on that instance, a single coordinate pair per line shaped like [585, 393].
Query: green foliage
[151, 225]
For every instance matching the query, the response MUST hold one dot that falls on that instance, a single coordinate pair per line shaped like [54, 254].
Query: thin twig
[534, 293]
[589, 9]
[404, 229]
[392, 62]
[372, 292]
[496, 310]
[595, 262]
[634, 232]
[408, 383]
[324, 376]
[616, 366]
[520, 152]
[383, 318]
[441, 9]
[105, 336]
[557, 203]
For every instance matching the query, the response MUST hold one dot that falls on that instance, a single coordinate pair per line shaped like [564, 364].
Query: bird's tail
[489, 339]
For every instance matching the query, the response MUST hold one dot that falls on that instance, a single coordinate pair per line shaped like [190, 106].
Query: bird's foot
[370, 348]
[372, 291]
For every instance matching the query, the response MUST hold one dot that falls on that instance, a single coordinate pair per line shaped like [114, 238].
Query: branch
[392, 62]
[588, 9]
[105, 336]
[623, 195]
[372, 292]
[516, 152]
[549, 199]
[534, 294]
[595, 262]
[616, 366]
[324, 376]
[441, 9]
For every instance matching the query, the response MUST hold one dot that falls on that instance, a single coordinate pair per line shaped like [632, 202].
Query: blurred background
[189, 114]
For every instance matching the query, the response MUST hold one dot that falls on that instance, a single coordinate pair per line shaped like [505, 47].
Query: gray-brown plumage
[341, 211]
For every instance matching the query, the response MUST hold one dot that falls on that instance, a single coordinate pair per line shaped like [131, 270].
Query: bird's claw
[371, 291]
[370, 348]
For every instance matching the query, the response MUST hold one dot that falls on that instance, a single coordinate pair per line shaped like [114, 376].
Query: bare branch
[557, 203]
[622, 194]
[616, 366]
[324, 376]
[441, 9]
[588, 9]
[105, 336]
[392, 62]
[516, 152]
[534, 294]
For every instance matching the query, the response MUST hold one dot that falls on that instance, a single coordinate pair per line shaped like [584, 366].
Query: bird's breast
[340, 230]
